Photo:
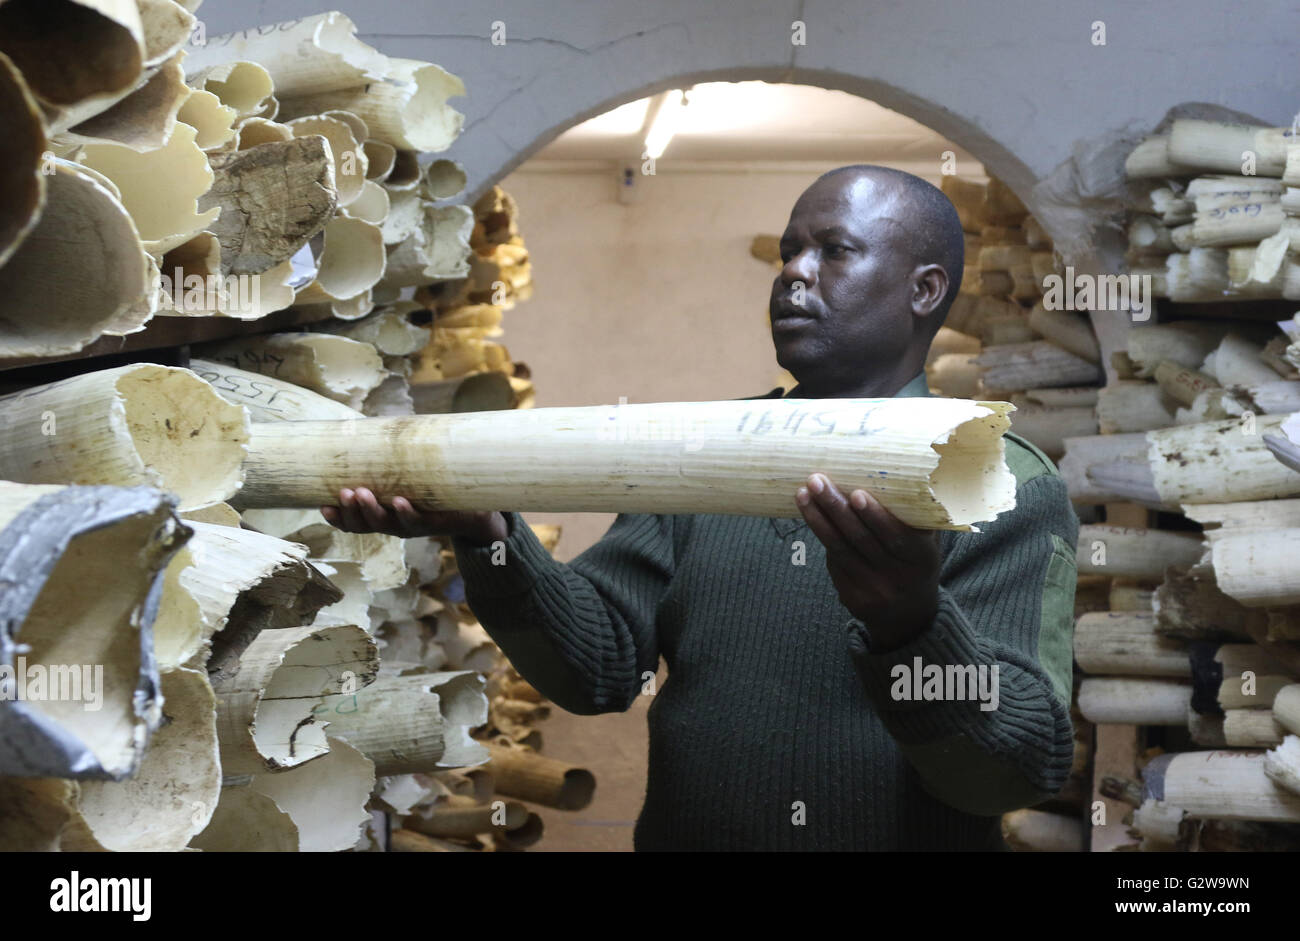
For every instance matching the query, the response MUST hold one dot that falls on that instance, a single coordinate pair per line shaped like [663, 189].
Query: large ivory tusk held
[935, 463]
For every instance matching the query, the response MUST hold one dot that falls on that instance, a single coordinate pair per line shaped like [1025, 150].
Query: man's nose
[800, 267]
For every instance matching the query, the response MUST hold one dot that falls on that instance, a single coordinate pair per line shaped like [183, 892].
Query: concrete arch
[997, 158]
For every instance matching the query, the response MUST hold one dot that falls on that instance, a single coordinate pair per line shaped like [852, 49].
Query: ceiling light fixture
[663, 120]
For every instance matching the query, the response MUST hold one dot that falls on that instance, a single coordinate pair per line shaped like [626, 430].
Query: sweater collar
[916, 387]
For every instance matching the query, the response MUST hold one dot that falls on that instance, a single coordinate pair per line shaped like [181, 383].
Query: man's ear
[929, 285]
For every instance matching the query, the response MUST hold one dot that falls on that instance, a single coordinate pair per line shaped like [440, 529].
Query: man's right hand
[359, 511]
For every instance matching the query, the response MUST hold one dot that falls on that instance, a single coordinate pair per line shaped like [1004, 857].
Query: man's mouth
[787, 307]
[787, 316]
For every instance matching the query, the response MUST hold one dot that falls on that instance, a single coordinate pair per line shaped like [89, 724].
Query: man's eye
[833, 249]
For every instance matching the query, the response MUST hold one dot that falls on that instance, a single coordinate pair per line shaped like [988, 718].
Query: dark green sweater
[776, 728]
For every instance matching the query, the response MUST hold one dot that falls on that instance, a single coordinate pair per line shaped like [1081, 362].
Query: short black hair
[934, 227]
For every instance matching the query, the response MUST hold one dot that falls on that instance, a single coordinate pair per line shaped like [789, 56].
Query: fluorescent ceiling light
[664, 122]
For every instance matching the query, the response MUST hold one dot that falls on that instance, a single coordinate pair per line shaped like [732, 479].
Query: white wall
[656, 301]
[1016, 82]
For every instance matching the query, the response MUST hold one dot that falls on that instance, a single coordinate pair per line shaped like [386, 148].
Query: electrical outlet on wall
[631, 184]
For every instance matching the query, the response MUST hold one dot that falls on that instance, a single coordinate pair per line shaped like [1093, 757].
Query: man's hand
[359, 511]
[886, 572]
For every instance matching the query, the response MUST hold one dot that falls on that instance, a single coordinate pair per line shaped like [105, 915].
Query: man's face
[845, 244]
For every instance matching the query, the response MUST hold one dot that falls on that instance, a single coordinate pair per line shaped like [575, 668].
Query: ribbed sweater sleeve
[582, 633]
[1006, 601]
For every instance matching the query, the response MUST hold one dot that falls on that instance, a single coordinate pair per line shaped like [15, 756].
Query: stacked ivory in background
[406, 591]
[1195, 636]
[212, 663]
[479, 808]
[175, 675]
[462, 365]
[319, 676]
[426, 355]
[1218, 206]
[1000, 340]
[1198, 639]
[234, 176]
[1196, 633]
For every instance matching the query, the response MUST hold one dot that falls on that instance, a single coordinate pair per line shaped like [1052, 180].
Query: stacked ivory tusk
[309, 676]
[1002, 338]
[1187, 627]
[435, 353]
[443, 691]
[1194, 629]
[1218, 206]
[265, 682]
[1195, 634]
[154, 647]
[463, 368]
[437, 657]
[440, 677]
[1199, 633]
[235, 177]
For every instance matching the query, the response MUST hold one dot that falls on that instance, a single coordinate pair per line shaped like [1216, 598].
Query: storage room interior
[546, 214]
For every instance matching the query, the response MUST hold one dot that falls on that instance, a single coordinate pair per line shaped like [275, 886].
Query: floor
[613, 748]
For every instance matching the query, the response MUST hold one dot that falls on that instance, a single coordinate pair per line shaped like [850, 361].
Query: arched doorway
[528, 135]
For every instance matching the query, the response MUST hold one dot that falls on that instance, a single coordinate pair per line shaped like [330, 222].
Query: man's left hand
[886, 572]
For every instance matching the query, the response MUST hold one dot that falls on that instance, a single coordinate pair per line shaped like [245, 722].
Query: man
[794, 715]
